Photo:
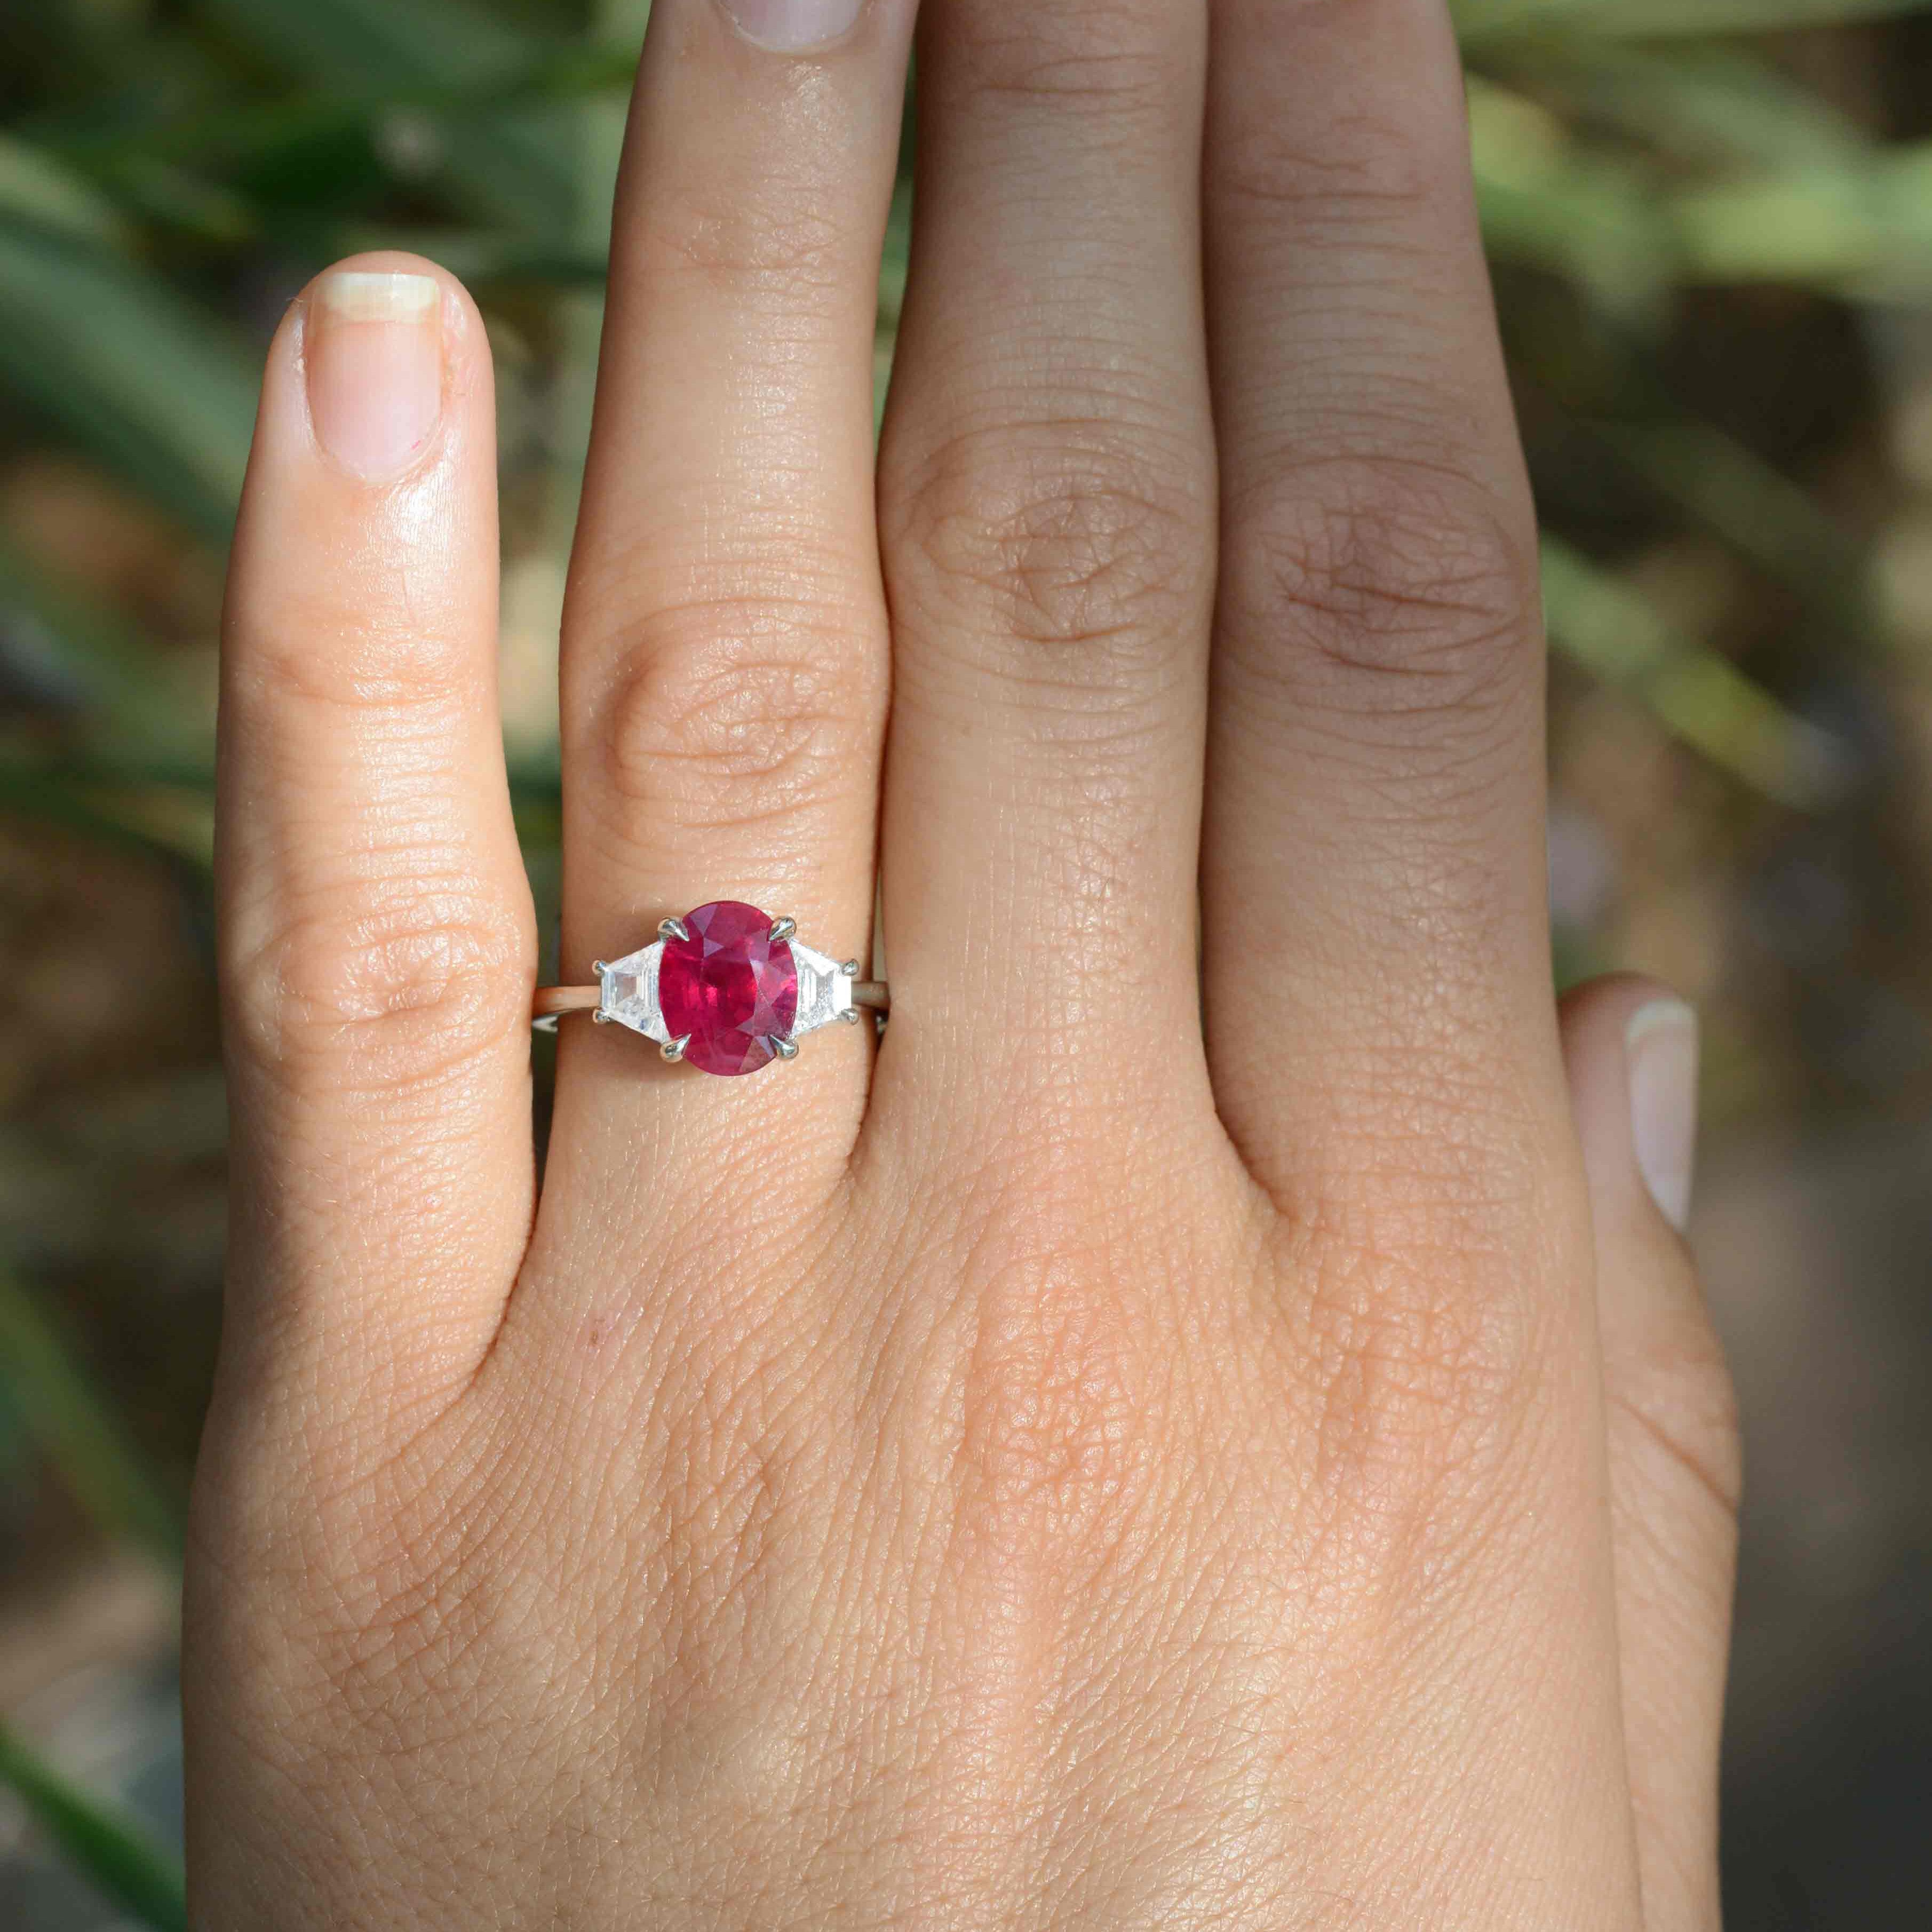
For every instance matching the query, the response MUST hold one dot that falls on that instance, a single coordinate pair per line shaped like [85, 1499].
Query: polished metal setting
[629, 991]
[626, 993]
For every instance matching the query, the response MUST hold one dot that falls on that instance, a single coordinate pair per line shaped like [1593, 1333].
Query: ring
[726, 989]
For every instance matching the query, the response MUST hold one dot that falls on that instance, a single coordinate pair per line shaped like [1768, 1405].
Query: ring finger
[724, 647]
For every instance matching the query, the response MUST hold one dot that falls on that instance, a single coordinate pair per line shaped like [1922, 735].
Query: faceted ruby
[730, 986]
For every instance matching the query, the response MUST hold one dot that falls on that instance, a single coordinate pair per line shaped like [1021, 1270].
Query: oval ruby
[730, 986]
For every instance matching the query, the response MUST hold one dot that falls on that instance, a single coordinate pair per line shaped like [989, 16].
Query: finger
[1372, 869]
[377, 936]
[1046, 501]
[724, 659]
[1632, 1055]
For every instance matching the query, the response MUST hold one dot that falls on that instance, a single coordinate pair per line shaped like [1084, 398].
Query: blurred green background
[1710, 222]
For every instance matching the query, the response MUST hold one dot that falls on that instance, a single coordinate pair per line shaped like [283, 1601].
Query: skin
[1070, 1466]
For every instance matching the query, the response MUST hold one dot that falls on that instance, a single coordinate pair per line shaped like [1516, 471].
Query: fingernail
[374, 350]
[793, 26]
[1660, 1055]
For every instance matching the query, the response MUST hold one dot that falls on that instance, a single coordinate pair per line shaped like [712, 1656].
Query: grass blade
[1762, 514]
[1479, 20]
[1860, 230]
[521, 170]
[66, 1417]
[37, 188]
[1703, 104]
[1547, 200]
[152, 385]
[1607, 626]
[113, 1852]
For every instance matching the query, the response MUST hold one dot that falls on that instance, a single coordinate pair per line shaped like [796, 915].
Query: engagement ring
[726, 988]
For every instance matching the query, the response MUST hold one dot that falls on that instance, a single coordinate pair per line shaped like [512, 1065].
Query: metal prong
[598, 966]
[783, 928]
[851, 969]
[673, 928]
[850, 1016]
[672, 1050]
[785, 1046]
[600, 1018]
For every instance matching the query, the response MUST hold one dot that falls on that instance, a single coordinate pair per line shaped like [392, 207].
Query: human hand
[1059, 1470]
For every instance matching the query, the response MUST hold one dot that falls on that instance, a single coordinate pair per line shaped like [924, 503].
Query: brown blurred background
[1712, 225]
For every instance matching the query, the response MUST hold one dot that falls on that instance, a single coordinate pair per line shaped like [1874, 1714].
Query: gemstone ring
[726, 988]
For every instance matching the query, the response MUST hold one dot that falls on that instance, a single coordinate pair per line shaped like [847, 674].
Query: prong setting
[797, 989]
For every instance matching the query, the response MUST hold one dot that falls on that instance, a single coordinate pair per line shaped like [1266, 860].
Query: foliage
[170, 175]
[120, 1859]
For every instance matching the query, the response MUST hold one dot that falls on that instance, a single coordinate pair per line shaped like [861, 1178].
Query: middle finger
[1046, 507]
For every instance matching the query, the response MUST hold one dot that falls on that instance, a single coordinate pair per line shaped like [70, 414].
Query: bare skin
[1066, 1467]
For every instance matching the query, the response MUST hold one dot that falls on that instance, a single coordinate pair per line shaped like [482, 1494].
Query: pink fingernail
[793, 26]
[374, 349]
[1660, 1055]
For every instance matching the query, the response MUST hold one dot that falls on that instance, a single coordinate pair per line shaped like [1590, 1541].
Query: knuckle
[1367, 175]
[1426, 1356]
[1101, 545]
[1378, 590]
[384, 656]
[391, 990]
[739, 716]
[1114, 52]
[1418, 1374]
[787, 238]
[1055, 1367]
[1676, 1392]
[1059, 1404]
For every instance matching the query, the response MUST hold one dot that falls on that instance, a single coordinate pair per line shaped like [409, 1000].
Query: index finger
[377, 940]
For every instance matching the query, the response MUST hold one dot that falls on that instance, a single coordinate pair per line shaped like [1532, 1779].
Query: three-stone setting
[726, 988]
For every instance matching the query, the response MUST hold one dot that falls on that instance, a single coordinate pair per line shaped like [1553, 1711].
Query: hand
[1059, 1469]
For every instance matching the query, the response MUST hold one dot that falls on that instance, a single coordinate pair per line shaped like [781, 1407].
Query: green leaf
[1763, 515]
[248, 129]
[1546, 200]
[95, 661]
[1862, 229]
[154, 387]
[521, 169]
[66, 1415]
[1479, 20]
[1606, 625]
[1705, 104]
[114, 1854]
[38, 189]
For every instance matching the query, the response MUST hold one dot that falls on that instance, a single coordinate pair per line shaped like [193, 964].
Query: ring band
[726, 988]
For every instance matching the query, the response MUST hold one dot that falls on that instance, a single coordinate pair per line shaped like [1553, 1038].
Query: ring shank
[551, 1002]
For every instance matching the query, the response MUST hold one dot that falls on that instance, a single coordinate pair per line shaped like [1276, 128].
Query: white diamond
[630, 992]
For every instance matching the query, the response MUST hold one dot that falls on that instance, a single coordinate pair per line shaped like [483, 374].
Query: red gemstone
[730, 986]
